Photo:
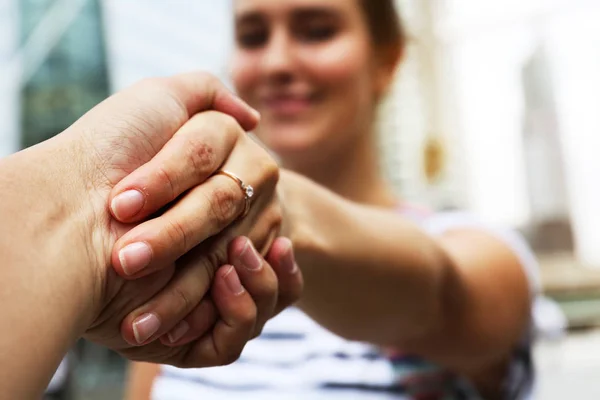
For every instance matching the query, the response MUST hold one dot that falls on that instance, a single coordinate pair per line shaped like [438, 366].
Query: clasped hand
[182, 277]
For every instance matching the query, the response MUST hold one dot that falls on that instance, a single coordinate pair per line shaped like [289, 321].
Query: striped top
[295, 358]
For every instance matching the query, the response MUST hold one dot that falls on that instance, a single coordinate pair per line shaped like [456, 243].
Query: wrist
[48, 230]
[301, 199]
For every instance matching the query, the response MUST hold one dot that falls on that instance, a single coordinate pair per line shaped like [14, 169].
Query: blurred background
[495, 110]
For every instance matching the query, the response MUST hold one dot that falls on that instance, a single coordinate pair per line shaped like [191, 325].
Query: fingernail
[127, 204]
[145, 326]
[256, 114]
[246, 105]
[135, 257]
[233, 282]
[288, 261]
[250, 258]
[178, 332]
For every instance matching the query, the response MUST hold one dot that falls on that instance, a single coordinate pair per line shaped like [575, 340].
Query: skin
[312, 70]
[57, 236]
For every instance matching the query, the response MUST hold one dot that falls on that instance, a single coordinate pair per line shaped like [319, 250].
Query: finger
[232, 331]
[197, 324]
[193, 155]
[172, 304]
[202, 213]
[257, 277]
[200, 91]
[289, 277]
[150, 112]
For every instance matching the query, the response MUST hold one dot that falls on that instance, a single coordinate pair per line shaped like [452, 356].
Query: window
[65, 62]
[530, 142]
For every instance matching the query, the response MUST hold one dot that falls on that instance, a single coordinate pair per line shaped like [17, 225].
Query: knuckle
[269, 169]
[166, 110]
[201, 155]
[231, 355]
[178, 237]
[247, 319]
[184, 300]
[225, 204]
[269, 288]
[223, 125]
[230, 125]
[215, 259]
[166, 181]
[272, 171]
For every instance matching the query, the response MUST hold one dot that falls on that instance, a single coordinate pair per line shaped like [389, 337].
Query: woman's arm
[46, 288]
[56, 237]
[461, 299]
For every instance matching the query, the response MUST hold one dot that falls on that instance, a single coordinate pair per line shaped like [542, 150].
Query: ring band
[247, 189]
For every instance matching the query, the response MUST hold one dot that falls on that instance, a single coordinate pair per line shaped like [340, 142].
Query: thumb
[130, 127]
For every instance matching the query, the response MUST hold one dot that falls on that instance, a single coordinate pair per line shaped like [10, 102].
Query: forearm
[42, 290]
[374, 277]
[370, 275]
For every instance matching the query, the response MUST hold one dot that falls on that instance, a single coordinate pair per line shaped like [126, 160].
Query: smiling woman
[328, 42]
[399, 302]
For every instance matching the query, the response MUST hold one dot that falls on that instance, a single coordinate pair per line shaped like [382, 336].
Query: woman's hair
[384, 24]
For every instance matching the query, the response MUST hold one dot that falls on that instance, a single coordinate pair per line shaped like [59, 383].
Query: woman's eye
[252, 39]
[317, 33]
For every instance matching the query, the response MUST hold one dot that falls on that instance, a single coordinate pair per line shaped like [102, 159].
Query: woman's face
[308, 67]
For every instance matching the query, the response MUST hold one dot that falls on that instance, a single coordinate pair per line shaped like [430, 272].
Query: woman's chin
[290, 142]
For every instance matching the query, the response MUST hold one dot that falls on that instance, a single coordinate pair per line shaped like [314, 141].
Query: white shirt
[295, 358]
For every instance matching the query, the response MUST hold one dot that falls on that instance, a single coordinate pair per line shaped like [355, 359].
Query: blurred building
[488, 45]
[66, 74]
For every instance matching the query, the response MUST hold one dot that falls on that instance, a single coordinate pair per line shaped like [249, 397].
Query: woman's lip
[287, 105]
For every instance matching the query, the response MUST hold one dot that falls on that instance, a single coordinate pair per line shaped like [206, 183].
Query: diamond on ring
[247, 189]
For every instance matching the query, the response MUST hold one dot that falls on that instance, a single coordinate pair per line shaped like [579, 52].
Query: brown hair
[384, 24]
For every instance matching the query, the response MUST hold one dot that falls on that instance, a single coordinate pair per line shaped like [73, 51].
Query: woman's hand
[58, 233]
[150, 148]
[200, 212]
[242, 300]
[215, 332]
[193, 200]
[156, 124]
